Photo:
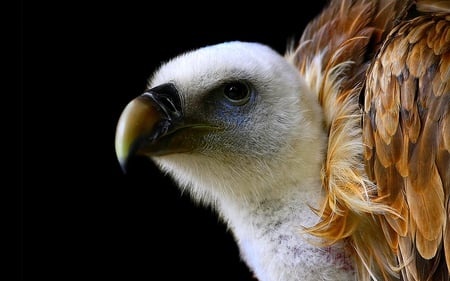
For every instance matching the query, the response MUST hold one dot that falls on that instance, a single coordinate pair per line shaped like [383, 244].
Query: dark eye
[237, 92]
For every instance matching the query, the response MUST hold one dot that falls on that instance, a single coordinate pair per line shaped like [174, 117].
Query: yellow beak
[137, 122]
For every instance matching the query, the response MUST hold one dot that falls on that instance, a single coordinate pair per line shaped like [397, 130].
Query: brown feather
[358, 28]
[393, 210]
[421, 170]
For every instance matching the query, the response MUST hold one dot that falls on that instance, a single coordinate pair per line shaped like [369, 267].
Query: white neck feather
[269, 234]
[268, 226]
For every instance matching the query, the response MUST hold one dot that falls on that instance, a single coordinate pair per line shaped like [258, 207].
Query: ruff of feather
[335, 69]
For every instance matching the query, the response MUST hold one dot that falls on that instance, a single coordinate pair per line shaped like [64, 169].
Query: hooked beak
[145, 120]
[153, 124]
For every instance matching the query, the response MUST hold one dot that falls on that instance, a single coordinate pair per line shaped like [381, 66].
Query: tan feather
[444, 70]
[402, 164]
[447, 237]
[433, 6]
[406, 82]
[414, 62]
[427, 248]
[429, 221]
[416, 34]
[445, 141]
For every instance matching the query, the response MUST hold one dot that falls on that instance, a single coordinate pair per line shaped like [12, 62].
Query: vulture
[330, 161]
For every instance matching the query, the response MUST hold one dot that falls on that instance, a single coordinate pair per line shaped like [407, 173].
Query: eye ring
[236, 92]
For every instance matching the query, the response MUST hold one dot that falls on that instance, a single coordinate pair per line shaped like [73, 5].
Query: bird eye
[237, 92]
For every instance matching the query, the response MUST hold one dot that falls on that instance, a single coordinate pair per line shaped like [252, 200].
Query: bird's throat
[271, 235]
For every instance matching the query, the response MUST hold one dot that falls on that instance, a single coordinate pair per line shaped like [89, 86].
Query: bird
[330, 161]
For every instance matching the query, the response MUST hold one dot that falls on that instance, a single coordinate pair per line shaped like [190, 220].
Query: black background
[81, 64]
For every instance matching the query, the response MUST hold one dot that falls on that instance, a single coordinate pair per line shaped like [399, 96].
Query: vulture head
[231, 120]
[353, 122]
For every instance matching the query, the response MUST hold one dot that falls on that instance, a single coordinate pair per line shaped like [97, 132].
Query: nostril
[167, 98]
[168, 104]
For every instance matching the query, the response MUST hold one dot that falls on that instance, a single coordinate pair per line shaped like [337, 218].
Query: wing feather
[394, 209]
[411, 157]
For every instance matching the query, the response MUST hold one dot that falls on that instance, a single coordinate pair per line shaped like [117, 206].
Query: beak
[145, 121]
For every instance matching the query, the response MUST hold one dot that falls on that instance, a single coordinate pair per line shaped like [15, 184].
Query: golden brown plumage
[406, 124]
[394, 211]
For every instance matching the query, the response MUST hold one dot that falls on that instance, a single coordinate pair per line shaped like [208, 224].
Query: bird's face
[220, 108]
